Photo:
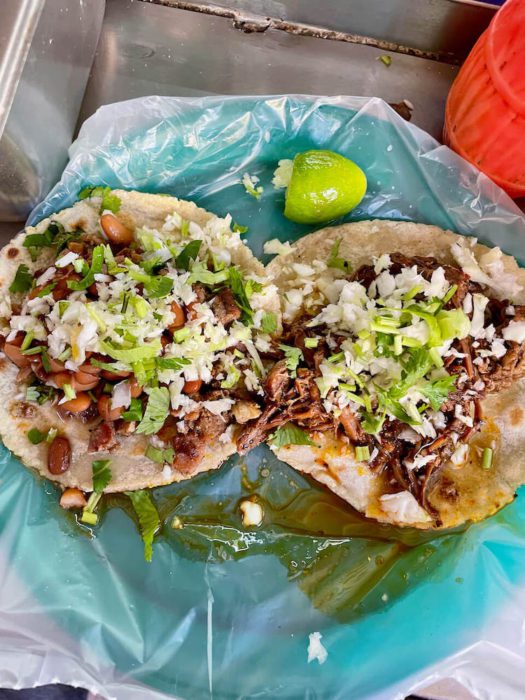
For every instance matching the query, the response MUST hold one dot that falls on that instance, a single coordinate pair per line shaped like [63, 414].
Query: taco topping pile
[153, 332]
[393, 358]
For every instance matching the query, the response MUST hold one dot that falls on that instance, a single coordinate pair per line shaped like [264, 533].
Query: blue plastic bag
[223, 612]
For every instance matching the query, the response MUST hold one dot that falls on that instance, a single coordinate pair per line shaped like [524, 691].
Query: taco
[400, 380]
[130, 328]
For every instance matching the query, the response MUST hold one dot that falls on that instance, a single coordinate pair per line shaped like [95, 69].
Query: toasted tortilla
[130, 468]
[465, 493]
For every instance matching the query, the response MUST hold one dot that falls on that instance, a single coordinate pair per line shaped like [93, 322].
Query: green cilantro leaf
[292, 357]
[110, 201]
[158, 455]
[148, 516]
[156, 411]
[158, 287]
[290, 434]
[417, 365]
[269, 322]
[101, 474]
[97, 260]
[187, 254]
[23, 280]
[35, 436]
[134, 412]
[241, 294]
[437, 391]
[335, 261]
[39, 240]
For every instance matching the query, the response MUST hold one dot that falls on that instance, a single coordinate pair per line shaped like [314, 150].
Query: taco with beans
[399, 381]
[131, 326]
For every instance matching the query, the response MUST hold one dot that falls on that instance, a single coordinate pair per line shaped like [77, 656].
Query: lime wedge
[324, 185]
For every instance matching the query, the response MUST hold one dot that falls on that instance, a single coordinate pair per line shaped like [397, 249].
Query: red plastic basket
[485, 112]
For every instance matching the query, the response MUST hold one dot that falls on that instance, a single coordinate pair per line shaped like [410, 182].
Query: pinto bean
[114, 376]
[105, 410]
[13, 352]
[56, 365]
[192, 386]
[179, 316]
[79, 381]
[84, 381]
[59, 455]
[134, 388]
[73, 498]
[78, 404]
[115, 230]
[61, 378]
[89, 369]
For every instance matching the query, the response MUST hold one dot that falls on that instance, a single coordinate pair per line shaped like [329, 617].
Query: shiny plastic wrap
[225, 612]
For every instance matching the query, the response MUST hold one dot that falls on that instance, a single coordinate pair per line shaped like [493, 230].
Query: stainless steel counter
[151, 49]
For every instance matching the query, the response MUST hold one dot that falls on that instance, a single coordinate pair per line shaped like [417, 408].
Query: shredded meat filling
[404, 462]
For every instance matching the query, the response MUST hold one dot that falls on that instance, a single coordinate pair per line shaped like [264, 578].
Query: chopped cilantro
[148, 516]
[101, 474]
[23, 280]
[35, 436]
[269, 322]
[372, 422]
[437, 391]
[39, 240]
[292, 357]
[159, 286]
[97, 260]
[110, 201]
[334, 260]
[39, 393]
[240, 229]
[187, 254]
[290, 434]
[241, 294]
[157, 411]
[134, 412]
[158, 455]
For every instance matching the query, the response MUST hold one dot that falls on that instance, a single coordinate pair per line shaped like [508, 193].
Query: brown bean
[38, 369]
[78, 404]
[84, 381]
[105, 410]
[179, 316]
[134, 388]
[73, 498]
[59, 455]
[13, 352]
[56, 365]
[89, 369]
[61, 378]
[114, 376]
[192, 386]
[115, 230]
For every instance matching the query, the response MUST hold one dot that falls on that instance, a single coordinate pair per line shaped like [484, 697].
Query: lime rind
[323, 186]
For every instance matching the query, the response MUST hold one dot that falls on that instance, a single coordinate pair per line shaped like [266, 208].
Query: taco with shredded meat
[398, 378]
[131, 328]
